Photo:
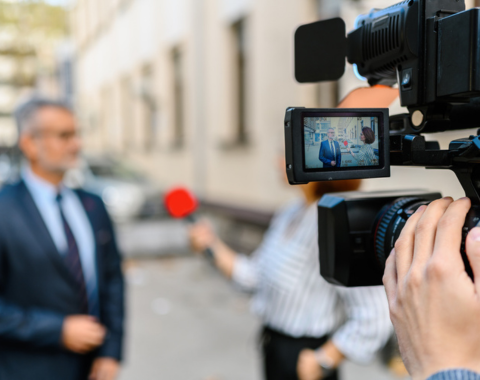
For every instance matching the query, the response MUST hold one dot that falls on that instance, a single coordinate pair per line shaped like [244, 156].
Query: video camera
[431, 48]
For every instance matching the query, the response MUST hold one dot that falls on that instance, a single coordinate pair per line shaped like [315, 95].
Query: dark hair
[322, 188]
[25, 112]
[369, 135]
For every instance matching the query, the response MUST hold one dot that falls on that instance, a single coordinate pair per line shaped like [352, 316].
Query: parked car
[10, 163]
[127, 193]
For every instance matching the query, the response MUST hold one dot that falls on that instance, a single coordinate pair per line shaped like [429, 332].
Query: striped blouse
[366, 156]
[291, 296]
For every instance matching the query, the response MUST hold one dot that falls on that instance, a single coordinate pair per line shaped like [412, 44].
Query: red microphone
[180, 203]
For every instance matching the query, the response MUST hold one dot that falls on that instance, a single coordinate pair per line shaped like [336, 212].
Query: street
[186, 322]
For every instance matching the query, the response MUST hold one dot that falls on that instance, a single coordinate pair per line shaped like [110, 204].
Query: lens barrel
[389, 224]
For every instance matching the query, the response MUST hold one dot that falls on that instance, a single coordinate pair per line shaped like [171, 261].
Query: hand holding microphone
[202, 236]
[182, 204]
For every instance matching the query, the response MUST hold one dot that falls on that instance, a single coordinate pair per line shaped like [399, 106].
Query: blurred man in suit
[61, 285]
[330, 153]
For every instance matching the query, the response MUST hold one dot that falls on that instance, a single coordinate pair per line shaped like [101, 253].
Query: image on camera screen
[340, 142]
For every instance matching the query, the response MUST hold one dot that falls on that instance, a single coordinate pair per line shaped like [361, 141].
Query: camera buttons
[407, 79]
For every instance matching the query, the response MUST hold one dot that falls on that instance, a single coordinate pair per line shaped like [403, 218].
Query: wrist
[326, 363]
[216, 245]
[429, 372]
[62, 329]
[459, 372]
[223, 257]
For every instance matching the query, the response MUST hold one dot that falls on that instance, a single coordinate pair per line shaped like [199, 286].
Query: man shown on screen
[330, 153]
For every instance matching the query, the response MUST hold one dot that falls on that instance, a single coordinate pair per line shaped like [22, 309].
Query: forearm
[359, 341]
[360, 155]
[224, 258]
[35, 327]
[113, 319]
[332, 353]
[324, 160]
[239, 268]
[113, 305]
[367, 326]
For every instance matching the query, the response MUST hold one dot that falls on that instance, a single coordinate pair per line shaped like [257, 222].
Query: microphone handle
[192, 219]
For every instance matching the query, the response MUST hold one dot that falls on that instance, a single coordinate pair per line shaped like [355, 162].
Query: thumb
[472, 246]
[93, 372]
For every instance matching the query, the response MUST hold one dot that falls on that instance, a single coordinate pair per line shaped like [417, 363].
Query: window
[178, 98]
[106, 118]
[149, 108]
[240, 87]
[127, 113]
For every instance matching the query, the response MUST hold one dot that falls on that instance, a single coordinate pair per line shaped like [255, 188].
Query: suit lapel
[33, 219]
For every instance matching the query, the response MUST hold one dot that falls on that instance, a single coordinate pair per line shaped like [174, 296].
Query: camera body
[357, 231]
[431, 48]
[427, 47]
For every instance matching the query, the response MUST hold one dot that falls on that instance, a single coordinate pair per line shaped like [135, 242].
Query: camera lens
[389, 224]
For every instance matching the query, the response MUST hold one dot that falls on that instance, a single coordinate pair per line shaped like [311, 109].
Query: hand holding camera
[434, 304]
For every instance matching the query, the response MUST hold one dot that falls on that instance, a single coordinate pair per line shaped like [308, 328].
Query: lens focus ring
[383, 238]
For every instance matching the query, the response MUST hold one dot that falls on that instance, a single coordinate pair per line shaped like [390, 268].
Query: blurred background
[181, 92]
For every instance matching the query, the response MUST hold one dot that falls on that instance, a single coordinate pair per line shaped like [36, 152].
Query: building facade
[194, 92]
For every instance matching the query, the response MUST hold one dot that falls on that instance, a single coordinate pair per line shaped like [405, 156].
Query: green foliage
[33, 17]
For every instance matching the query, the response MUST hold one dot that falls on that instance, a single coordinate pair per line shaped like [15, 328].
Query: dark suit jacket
[37, 291]
[326, 154]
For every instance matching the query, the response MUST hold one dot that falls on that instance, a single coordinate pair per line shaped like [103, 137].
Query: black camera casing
[294, 146]
[348, 226]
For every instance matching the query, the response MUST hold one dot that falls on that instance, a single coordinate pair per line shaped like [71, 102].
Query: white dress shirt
[291, 297]
[44, 195]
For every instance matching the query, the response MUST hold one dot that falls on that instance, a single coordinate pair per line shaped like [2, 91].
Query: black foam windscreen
[320, 51]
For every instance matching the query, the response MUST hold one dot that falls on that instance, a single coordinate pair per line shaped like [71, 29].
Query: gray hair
[27, 110]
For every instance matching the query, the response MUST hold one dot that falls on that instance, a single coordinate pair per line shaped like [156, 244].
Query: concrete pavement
[188, 323]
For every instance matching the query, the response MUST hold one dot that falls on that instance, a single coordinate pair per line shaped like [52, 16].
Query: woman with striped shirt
[309, 325]
[366, 155]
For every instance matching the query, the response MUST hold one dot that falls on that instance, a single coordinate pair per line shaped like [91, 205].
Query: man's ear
[28, 146]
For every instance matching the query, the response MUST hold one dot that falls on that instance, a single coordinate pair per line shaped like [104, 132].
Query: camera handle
[468, 174]
[409, 148]
[470, 180]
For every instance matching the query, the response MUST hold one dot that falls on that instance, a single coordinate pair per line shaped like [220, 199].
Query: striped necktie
[72, 260]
